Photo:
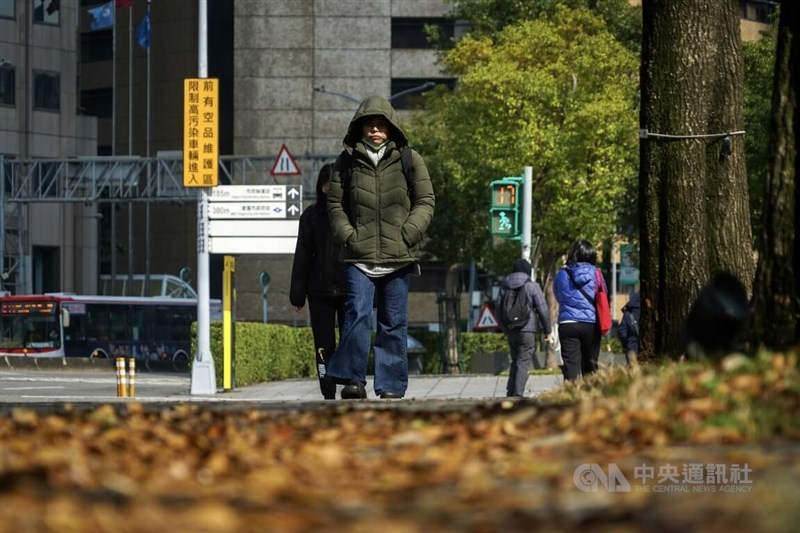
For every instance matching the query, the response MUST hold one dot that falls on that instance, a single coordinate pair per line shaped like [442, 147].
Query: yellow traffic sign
[201, 132]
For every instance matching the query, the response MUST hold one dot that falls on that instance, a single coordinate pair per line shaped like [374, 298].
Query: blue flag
[102, 16]
[143, 32]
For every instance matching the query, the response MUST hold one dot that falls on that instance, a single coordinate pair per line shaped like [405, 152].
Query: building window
[409, 32]
[97, 102]
[8, 83]
[759, 11]
[408, 99]
[46, 90]
[46, 11]
[97, 46]
[7, 9]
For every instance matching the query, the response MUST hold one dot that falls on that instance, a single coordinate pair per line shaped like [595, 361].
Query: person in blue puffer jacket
[577, 319]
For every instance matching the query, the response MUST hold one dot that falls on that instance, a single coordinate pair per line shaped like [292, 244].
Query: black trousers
[325, 313]
[580, 348]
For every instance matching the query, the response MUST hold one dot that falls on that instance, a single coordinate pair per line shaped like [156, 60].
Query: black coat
[316, 269]
[628, 330]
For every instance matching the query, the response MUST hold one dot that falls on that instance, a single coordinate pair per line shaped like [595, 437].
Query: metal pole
[527, 210]
[149, 163]
[204, 379]
[614, 249]
[113, 79]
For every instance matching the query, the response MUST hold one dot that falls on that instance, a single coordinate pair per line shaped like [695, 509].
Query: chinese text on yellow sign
[201, 132]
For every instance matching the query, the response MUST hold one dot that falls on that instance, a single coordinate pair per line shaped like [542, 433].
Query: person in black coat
[628, 330]
[319, 276]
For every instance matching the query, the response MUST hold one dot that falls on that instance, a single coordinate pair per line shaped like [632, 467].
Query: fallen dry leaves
[413, 466]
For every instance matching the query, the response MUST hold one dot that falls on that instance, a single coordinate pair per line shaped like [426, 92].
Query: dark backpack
[515, 308]
[344, 163]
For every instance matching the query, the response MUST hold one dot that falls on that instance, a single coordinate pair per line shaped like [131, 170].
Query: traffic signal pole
[527, 211]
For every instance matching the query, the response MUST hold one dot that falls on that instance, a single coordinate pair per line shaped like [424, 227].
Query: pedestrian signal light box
[505, 207]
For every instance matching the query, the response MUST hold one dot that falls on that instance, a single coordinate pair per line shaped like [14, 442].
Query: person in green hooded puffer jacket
[379, 214]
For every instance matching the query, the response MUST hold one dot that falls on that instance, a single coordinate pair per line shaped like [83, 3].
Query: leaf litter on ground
[481, 466]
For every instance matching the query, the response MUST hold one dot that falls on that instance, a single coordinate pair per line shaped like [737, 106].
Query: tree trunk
[693, 200]
[451, 331]
[775, 323]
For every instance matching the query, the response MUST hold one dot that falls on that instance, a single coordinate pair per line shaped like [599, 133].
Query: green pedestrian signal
[505, 207]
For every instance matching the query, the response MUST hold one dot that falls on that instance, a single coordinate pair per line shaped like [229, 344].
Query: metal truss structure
[115, 179]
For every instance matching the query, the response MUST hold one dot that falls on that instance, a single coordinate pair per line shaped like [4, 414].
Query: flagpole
[147, 154]
[113, 139]
[130, 144]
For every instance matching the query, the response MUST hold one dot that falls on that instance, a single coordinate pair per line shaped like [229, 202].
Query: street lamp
[420, 88]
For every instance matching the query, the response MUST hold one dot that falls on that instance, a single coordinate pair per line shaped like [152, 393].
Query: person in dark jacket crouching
[521, 341]
[319, 277]
[380, 204]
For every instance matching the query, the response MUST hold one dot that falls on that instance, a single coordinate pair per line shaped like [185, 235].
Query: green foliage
[473, 343]
[488, 17]
[264, 352]
[556, 93]
[759, 68]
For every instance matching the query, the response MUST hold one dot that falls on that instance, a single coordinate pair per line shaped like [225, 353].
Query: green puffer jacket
[375, 219]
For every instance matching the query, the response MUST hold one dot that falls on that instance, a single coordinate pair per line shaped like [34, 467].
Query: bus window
[119, 323]
[77, 328]
[173, 323]
[97, 322]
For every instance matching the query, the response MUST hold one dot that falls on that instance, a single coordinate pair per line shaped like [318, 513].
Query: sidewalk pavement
[420, 387]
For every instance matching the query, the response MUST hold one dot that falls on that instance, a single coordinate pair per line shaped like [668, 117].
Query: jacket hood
[522, 265]
[515, 280]
[582, 273]
[372, 106]
[633, 302]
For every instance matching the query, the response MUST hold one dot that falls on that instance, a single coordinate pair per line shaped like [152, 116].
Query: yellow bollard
[122, 382]
[131, 376]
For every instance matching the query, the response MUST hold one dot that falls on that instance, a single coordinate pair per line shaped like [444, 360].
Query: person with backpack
[318, 276]
[520, 302]
[575, 287]
[628, 329]
[380, 205]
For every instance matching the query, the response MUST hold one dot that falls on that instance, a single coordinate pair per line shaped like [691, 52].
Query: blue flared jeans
[390, 295]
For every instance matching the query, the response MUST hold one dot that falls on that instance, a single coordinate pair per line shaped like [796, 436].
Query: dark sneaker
[355, 390]
[390, 395]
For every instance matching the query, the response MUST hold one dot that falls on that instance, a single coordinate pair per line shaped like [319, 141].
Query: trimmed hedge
[273, 352]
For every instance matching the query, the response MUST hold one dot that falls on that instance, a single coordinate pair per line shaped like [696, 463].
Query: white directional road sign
[252, 245]
[232, 193]
[250, 210]
[254, 219]
[253, 228]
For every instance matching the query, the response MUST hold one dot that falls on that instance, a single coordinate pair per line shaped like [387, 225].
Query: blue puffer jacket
[572, 305]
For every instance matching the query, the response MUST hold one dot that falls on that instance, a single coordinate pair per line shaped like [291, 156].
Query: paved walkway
[427, 387]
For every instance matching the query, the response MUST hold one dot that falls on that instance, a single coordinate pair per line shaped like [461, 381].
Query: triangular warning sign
[285, 165]
[486, 320]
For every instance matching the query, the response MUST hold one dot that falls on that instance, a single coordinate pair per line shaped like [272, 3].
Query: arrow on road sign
[293, 193]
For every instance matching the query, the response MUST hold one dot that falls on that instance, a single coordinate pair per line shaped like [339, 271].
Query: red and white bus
[68, 325]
